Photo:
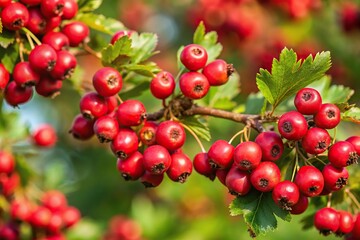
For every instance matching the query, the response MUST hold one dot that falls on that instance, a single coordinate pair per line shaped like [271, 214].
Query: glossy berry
[147, 133]
[326, 220]
[125, 143]
[52, 23]
[70, 9]
[265, 177]
[221, 154]
[43, 58]
[54, 200]
[4, 77]
[194, 57]
[194, 85]
[31, 2]
[52, 8]
[157, 159]
[346, 223]
[82, 128]
[316, 140]
[48, 87]
[247, 156]
[37, 21]
[150, 180]
[271, 145]
[355, 141]
[14, 16]
[180, 168]
[131, 168]
[162, 85]
[335, 178]
[170, 134]
[112, 103]
[4, 3]
[203, 167]
[286, 194]
[15, 95]
[24, 75]
[20, 210]
[328, 116]
[44, 136]
[310, 181]
[9, 231]
[131, 113]
[70, 216]
[106, 128]
[65, 65]
[40, 217]
[342, 154]
[218, 72]
[292, 125]
[77, 32]
[120, 34]
[221, 174]
[93, 106]
[308, 101]
[107, 81]
[7, 162]
[300, 206]
[238, 182]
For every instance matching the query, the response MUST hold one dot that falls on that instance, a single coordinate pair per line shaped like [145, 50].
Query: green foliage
[25, 171]
[143, 46]
[6, 38]
[10, 57]
[135, 91]
[259, 211]
[198, 127]
[352, 115]
[117, 54]
[101, 23]
[88, 5]
[288, 75]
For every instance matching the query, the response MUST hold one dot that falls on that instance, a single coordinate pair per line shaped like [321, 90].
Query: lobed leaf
[117, 54]
[88, 5]
[143, 46]
[145, 70]
[198, 127]
[101, 23]
[6, 38]
[9, 57]
[351, 115]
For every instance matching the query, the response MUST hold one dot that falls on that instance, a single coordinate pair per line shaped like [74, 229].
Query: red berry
[120, 34]
[8, 183]
[37, 21]
[356, 229]
[40, 217]
[342, 154]
[170, 134]
[328, 116]
[56, 40]
[20, 210]
[194, 57]
[150, 180]
[4, 3]
[125, 143]
[221, 154]
[24, 75]
[346, 223]
[300, 206]
[147, 133]
[7, 162]
[180, 167]
[194, 85]
[218, 72]
[355, 141]
[334, 178]
[9, 231]
[238, 182]
[292, 125]
[106, 128]
[112, 103]
[4, 77]
[43, 58]
[308, 101]
[221, 174]
[326, 220]
[65, 65]
[44, 136]
[71, 216]
[93, 106]
[70, 9]
[265, 177]
[316, 140]
[52, 23]
[48, 87]
[157, 159]
[162, 85]
[82, 128]
[14, 16]
[52, 8]
[203, 167]
[55, 223]
[54, 200]
[31, 2]
[15, 95]
[310, 181]
[286, 194]
[77, 32]
[271, 145]
[131, 168]
[131, 113]
[247, 156]
[107, 81]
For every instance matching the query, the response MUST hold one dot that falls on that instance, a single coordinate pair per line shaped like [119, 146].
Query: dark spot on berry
[287, 127]
[306, 96]
[126, 176]
[182, 178]
[87, 114]
[245, 164]
[103, 139]
[229, 70]
[313, 189]
[59, 8]
[341, 182]
[197, 51]
[147, 184]
[18, 23]
[143, 116]
[325, 232]
[353, 158]
[198, 88]
[69, 73]
[112, 80]
[51, 65]
[121, 154]
[284, 204]
[275, 150]
[321, 145]
[263, 182]
[213, 164]
[157, 169]
[330, 114]
[174, 134]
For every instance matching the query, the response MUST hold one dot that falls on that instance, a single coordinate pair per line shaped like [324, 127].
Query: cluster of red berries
[124, 228]
[350, 16]
[296, 9]
[47, 64]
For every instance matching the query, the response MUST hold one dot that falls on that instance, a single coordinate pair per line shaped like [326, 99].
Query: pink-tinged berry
[194, 57]
[355, 141]
[70, 9]
[48, 87]
[93, 106]
[56, 40]
[106, 128]
[65, 65]
[286, 194]
[43, 58]
[300, 206]
[334, 178]
[120, 34]
[150, 180]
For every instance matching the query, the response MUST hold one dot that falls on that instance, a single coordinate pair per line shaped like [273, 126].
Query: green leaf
[25, 171]
[288, 75]
[76, 78]
[308, 221]
[117, 54]
[145, 70]
[259, 211]
[101, 23]
[143, 46]
[351, 115]
[254, 103]
[136, 91]
[10, 56]
[197, 126]
[224, 103]
[88, 5]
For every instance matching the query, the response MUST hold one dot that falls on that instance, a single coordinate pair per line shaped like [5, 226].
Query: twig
[91, 51]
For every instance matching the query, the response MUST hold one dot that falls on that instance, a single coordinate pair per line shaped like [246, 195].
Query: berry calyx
[170, 134]
[194, 85]
[203, 167]
[131, 113]
[52, 8]
[107, 81]
[310, 181]
[162, 85]
[221, 154]
[65, 65]
[292, 125]
[308, 101]
[157, 159]
[334, 178]
[194, 57]
[326, 220]
[180, 168]
[355, 141]
[247, 156]
[131, 168]
[218, 72]
[147, 133]
[44, 136]
[286, 194]
[328, 116]
[342, 154]
[14, 16]
[316, 140]
[265, 177]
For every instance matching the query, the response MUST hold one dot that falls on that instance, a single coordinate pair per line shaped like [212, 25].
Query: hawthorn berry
[328, 116]
[40, 217]
[44, 136]
[147, 133]
[316, 140]
[93, 106]
[218, 72]
[14, 16]
[334, 178]
[31, 2]
[52, 8]
[16, 95]
[194, 85]
[24, 75]
[4, 3]
[265, 177]
[342, 154]
[238, 181]
[65, 65]
[20, 210]
[194, 57]
[162, 85]
[308, 101]
[43, 58]
[70, 9]
[170, 134]
[180, 168]
[131, 168]
[271, 145]
[221, 175]
[77, 32]
[150, 180]
[310, 181]
[125, 143]
[52, 23]
[131, 113]
[112, 103]
[107, 81]
[157, 159]
[120, 34]
[286, 194]
[355, 141]
[326, 220]
[292, 125]
[70, 216]
[37, 22]
[203, 167]
[4, 76]
[9, 231]
[48, 87]
[55, 223]
[247, 156]
[346, 223]
[106, 128]
[54, 200]
[300, 206]
[82, 128]
[221, 154]
[7, 162]
[8, 183]
[356, 230]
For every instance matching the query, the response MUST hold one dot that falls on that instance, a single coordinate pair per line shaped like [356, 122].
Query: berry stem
[92, 51]
[195, 136]
[328, 204]
[119, 98]
[237, 134]
[295, 168]
[21, 46]
[28, 32]
[353, 198]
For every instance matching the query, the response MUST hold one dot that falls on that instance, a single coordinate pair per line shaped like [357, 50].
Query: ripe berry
[194, 57]
[265, 177]
[70, 9]
[14, 16]
[43, 58]
[120, 34]
[7, 162]
[4, 3]
[125, 143]
[31, 2]
[355, 141]
[162, 85]
[56, 40]
[77, 32]
[44, 136]
[238, 182]
[93, 106]
[346, 223]
[271, 145]
[8, 183]
[24, 75]
[15, 95]
[328, 116]
[335, 178]
[147, 133]
[48, 87]
[54, 200]
[221, 154]
[82, 128]
[131, 168]
[316, 140]
[131, 113]
[180, 168]
[300, 206]
[203, 167]
[112, 103]
[157, 159]
[9, 231]
[52, 23]
[194, 85]
[292, 125]
[326, 220]
[356, 229]
[310, 181]
[65, 65]
[218, 72]
[40, 217]
[171, 135]
[106, 128]
[52, 8]
[20, 210]
[107, 81]
[307, 101]
[37, 21]
[55, 223]
[342, 154]
[4, 77]
[150, 180]
[286, 194]
[71, 216]
[247, 156]
[221, 174]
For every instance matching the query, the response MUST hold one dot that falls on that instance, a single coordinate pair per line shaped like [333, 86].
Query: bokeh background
[252, 34]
